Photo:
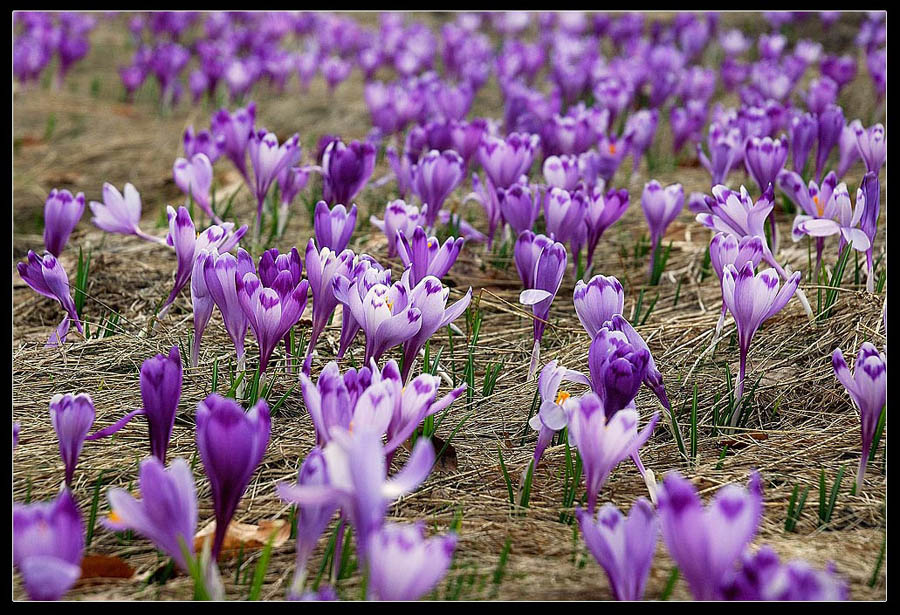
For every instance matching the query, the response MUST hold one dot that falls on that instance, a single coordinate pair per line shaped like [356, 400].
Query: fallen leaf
[250, 537]
[447, 462]
[105, 567]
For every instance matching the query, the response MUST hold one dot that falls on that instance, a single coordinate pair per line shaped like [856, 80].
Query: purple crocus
[838, 218]
[706, 543]
[804, 130]
[423, 255]
[753, 299]
[727, 250]
[48, 543]
[504, 160]
[617, 369]
[725, 145]
[541, 263]
[429, 296]
[291, 181]
[272, 304]
[869, 223]
[72, 417]
[194, 178]
[551, 416]
[868, 390]
[120, 214]
[603, 210]
[764, 159]
[848, 150]
[398, 216]
[233, 130]
[334, 226]
[564, 214]
[520, 206]
[561, 172]
[203, 142]
[403, 564]
[762, 576]
[641, 125]
[821, 93]
[62, 211]
[232, 444]
[220, 273]
[331, 400]
[269, 159]
[167, 512]
[831, 123]
[661, 206]
[597, 302]
[435, 176]
[322, 267]
[604, 161]
[603, 441]
[346, 169]
[872, 147]
[46, 276]
[201, 303]
[624, 547]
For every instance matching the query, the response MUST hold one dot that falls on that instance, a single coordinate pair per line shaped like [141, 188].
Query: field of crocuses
[449, 306]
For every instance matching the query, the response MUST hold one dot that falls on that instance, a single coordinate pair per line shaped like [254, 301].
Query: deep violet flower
[624, 547]
[434, 177]
[520, 206]
[62, 211]
[603, 210]
[232, 444]
[346, 169]
[220, 274]
[333, 226]
[762, 576]
[424, 255]
[868, 390]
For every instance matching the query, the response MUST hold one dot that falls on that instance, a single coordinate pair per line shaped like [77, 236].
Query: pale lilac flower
[831, 123]
[403, 564]
[872, 147]
[167, 513]
[203, 142]
[72, 417]
[118, 214]
[434, 177]
[561, 172]
[429, 296]
[603, 441]
[194, 178]
[504, 160]
[839, 218]
[603, 210]
[725, 150]
[233, 130]
[804, 130]
[48, 543]
[868, 390]
[624, 547]
[753, 299]
[661, 206]
[269, 159]
[869, 223]
[331, 401]
[848, 150]
[46, 276]
[220, 273]
[551, 416]
[398, 216]
[232, 444]
[62, 211]
[322, 267]
[641, 126]
[598, 301]
[520, 206]
[604, 161]
[564, 214]
[706, 543]
[764, 159]
[724, 250]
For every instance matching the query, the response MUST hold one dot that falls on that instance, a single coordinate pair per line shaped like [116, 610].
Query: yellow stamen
[612, 148]
[114, 517]
[819, 208]
[562, 397]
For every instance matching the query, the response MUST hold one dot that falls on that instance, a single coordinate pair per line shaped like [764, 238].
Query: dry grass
[801, 421]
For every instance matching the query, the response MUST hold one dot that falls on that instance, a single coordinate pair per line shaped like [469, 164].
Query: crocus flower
[764, 159]
[435, 176]
[762, 576]
[598, 301]
[813, 199]
[848, 150]
[429, 296]
[624, 547]
[868, 390]
[291, 181]
[604, 161]
[603, 210]
[869, 223]
[564, 215]
[167, 512]
[203, 142]
[346, 169]
[331, 400]
[269, 159]
[120, 214]
[842, 69]
[727, 250]
[367, 272]
[322, 266]
[232, 444]
[504, 160]
[661, 206]
[753, 299]
[425, 256]
[724, 151]
[561, 172]
[271, 308]
[311, 520]
[220, 273]
[804, 130]
[541, 263]
[603, 441]
[872, 147]
[652, 375]
[397, 216]
[201, 302]
[488, 196]
[188, 244]
[234, 130]
[839, 218]
[642, 128]
[194, 178]
[333, 227]
[520, 206]
[357, 480]
[706, 543]
[46, 276]
[822, 92]
[72, 417]
[831, 123]
[385, 313]
[62, 211]
[551, 416]
[48, 542]
[403, 564]
[617, 369]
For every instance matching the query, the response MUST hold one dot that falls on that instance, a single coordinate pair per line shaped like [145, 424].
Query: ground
[800, 423]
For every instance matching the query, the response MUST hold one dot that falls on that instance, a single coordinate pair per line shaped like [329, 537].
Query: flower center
[819, 208]
[612, 148]
[562, 397]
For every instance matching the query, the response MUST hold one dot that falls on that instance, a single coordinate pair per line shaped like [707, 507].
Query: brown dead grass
[99, 139]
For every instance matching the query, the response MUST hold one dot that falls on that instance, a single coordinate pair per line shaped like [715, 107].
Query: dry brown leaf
[245, 535]
[446, 462]
[105, 567]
